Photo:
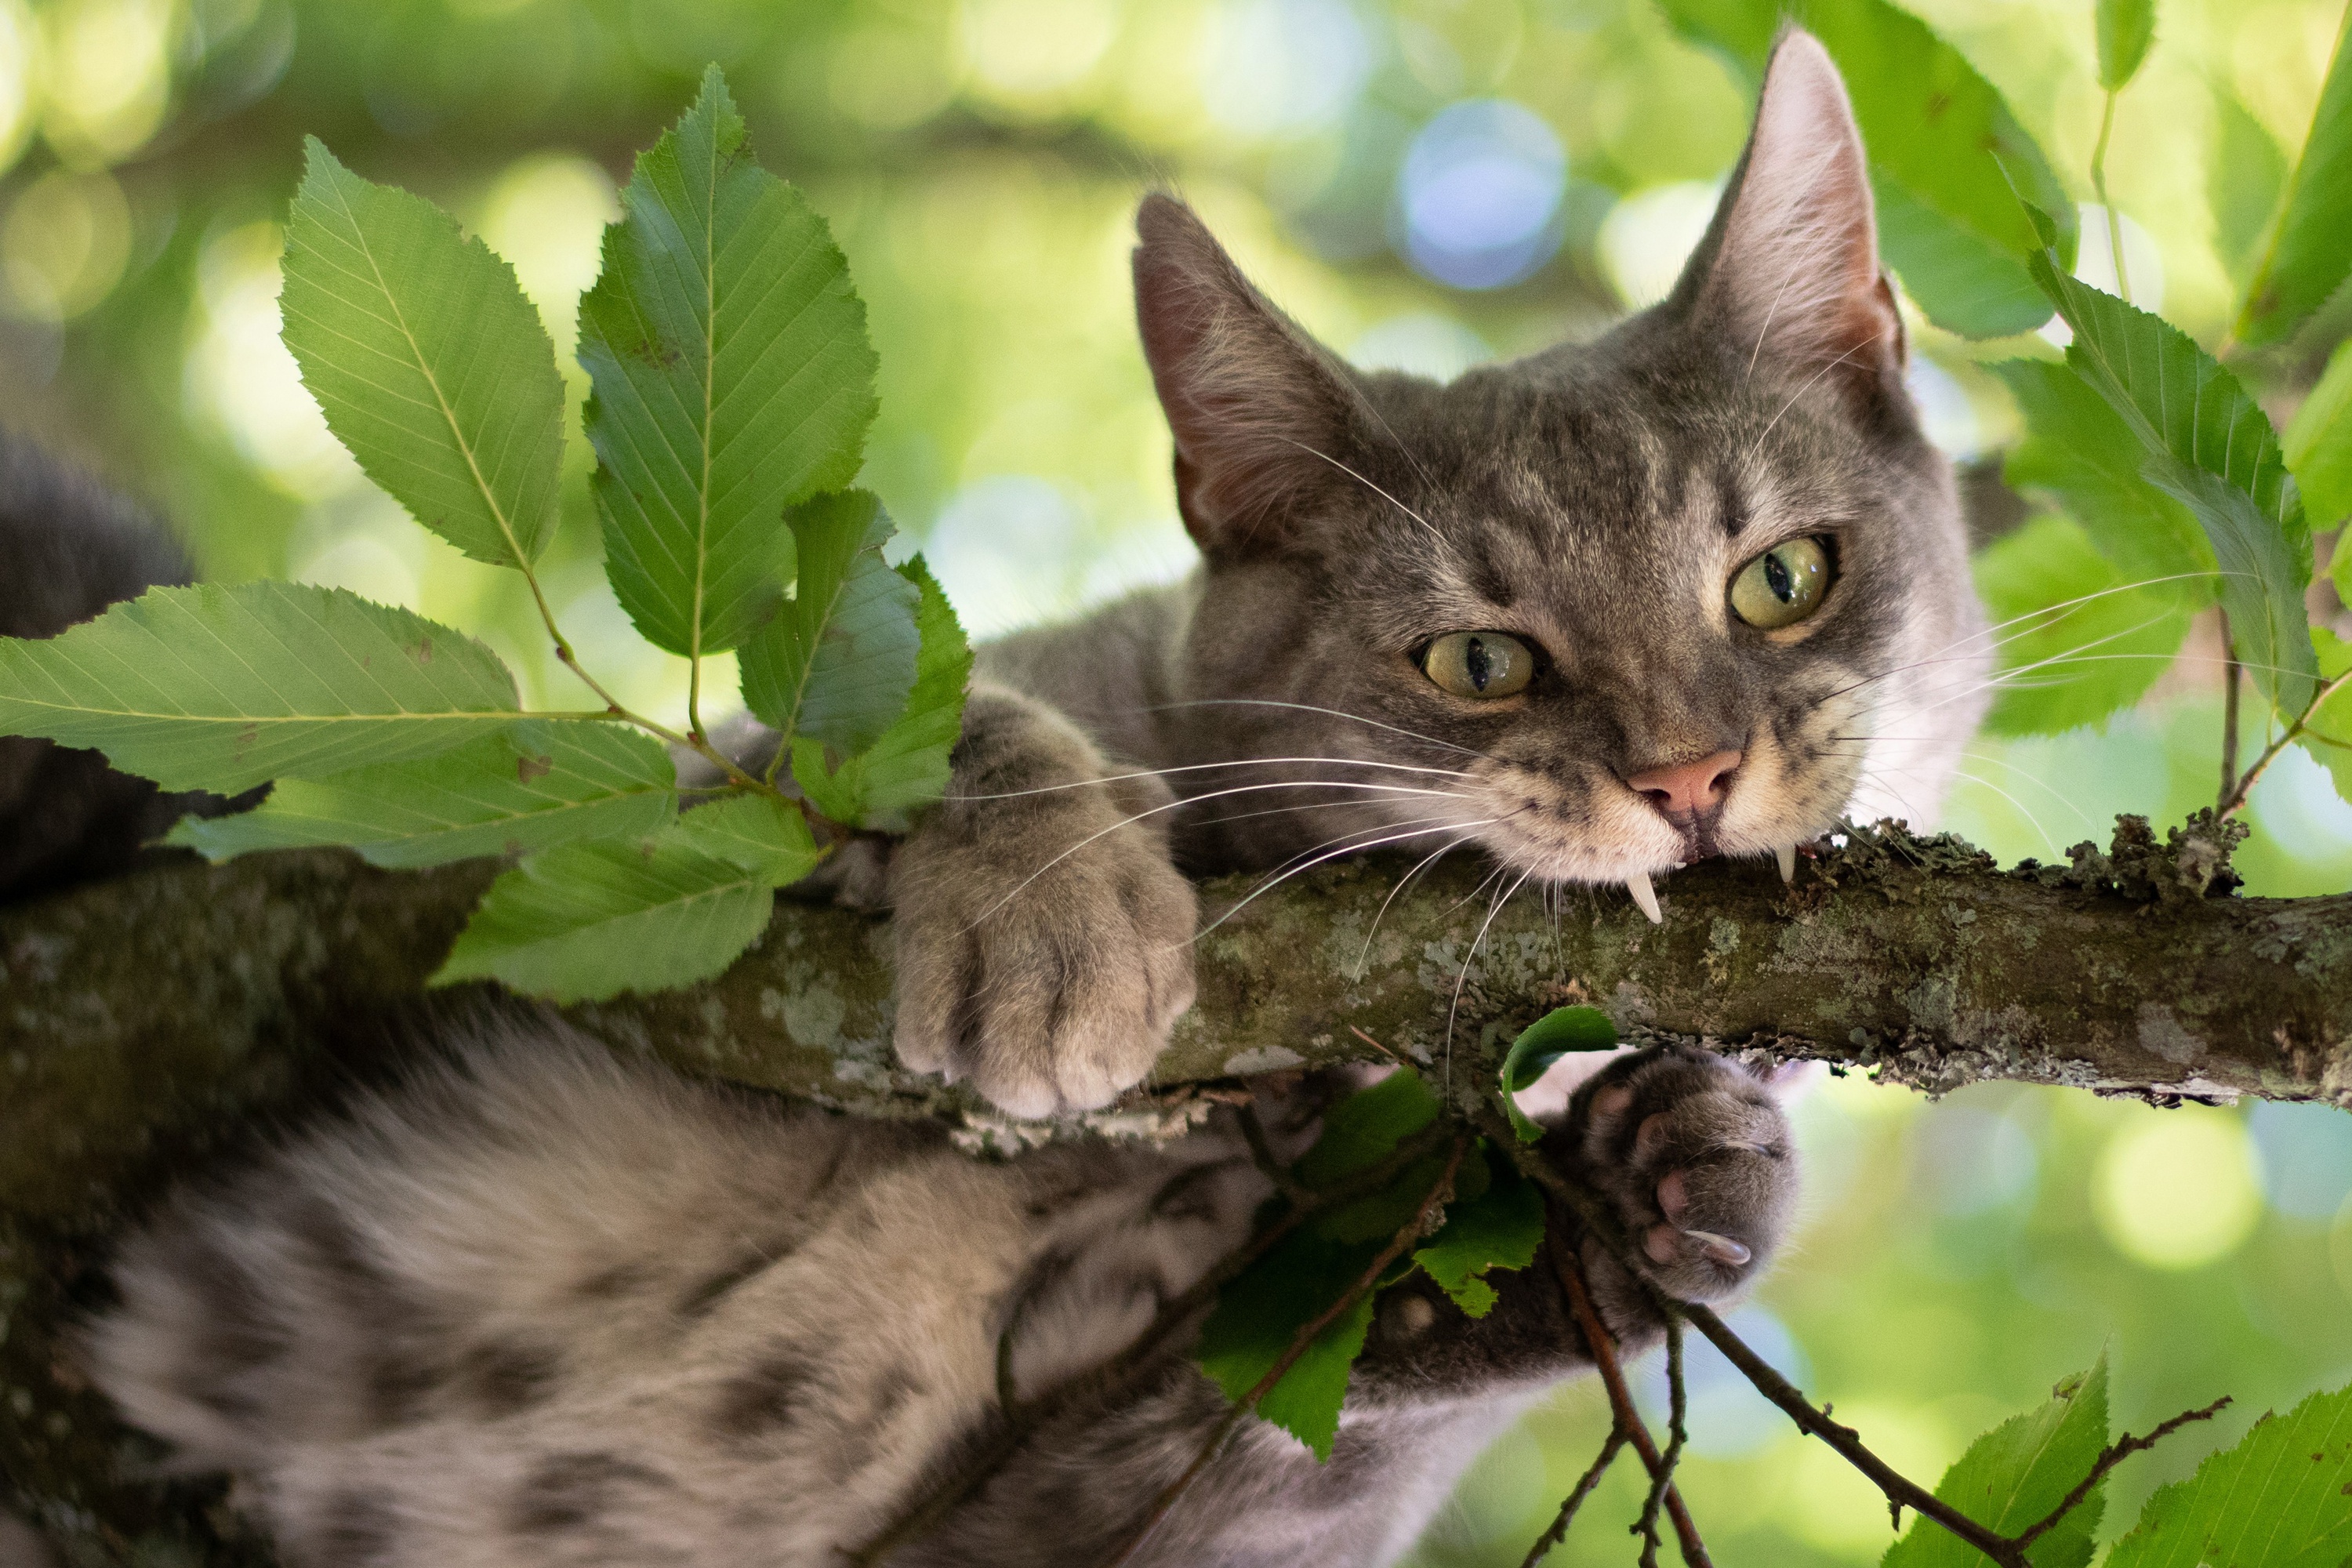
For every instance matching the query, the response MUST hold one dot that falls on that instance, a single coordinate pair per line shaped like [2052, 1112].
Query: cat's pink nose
[1687, 790]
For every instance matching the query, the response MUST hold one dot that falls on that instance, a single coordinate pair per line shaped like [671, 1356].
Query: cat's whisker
[1205, 767]
[1440, 853]
[1470, 957]
[1374, 488]
[1426, 826]
[1312, 707]
[1195, 800]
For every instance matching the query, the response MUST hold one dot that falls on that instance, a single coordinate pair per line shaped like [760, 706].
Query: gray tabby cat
[1696, 588]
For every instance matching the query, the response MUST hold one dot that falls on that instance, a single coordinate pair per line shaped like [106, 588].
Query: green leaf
[2318, 448]
[2328, 737]
[2307, 257]
[1544, 1042]
[732, 379]
[836, 663]
[2014, 1475]
[535, 785]
[223, 688]
[2079, 453]
[1363, 1129]
[2066, 668]
[1939, 137]
[1499, 1229]
[2210, 447]
[907, 768]
[427, 359]
[2281, 1499]
[2242, 184]
[2125, 28]
[1262, 1311]
[2263, 576]
[585, 922]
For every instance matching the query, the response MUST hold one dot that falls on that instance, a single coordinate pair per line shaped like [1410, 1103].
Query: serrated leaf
[2210, 447]
[907, 768]
[2307, 257]
[1544, 1042]
[732, 378]
[2318, 449]
[835, 665]
[2078, 452]
[1498, 1228]
[2062, 668]
[759, 833]
[585, 922]
[1939, 136]
[2328, 737]
[2263, 576]
[1365, 1127]
[1260, 1313]
[536, 785]
[2282, 1497]
[2242, 184]
[2014, 1475]
[2125, 28]
[427, 359]
[223, 688]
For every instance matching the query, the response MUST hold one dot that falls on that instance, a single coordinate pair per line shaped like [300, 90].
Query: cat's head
[1698, 587]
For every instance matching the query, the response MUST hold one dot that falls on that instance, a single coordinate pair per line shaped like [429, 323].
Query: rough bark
[149, 1024]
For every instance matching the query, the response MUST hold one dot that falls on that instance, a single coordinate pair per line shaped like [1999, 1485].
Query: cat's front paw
[1044, 938]
[1700, 1163]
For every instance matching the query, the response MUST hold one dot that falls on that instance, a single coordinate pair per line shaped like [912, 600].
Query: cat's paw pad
[1044, 957]
[1698, 1159]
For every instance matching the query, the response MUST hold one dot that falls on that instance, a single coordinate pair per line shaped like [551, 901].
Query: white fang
[1787, 855]
[1638, 884]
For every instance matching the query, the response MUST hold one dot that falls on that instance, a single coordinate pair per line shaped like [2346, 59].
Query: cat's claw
[1645, 897]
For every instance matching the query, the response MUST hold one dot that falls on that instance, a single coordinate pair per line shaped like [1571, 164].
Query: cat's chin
[1637, 874]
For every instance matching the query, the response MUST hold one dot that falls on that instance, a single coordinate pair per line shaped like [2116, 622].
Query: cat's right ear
[1256, 408]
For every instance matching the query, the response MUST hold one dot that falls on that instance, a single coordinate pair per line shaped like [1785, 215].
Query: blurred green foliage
[979, 161]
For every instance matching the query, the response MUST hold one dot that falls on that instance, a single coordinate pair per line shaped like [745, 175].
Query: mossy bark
[152, 1026]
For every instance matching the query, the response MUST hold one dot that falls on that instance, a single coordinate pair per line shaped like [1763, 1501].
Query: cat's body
[536, 1309]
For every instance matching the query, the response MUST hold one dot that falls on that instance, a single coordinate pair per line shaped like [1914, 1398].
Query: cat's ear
[1788, 270]
[1257, 408]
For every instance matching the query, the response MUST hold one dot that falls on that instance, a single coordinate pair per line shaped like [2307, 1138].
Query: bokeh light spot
[1647, 238]
[64, 246]
[1281, 66]
[20, 65]
[2095, 263]
[109, 77]
[240, 378]
[1419, 343]
[2176, 1189]
[2297, 803]
[546, 215]
[1030, 53]
[1728, 1419]
[2305, 1155]
[1478, 196]
[1967, 1160]
[1946, 415]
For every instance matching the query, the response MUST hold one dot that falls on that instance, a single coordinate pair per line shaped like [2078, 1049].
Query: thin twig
[1675, 1409]
[1602, 1347]
[2232, 674]
[2099, 186]
[2114, 1453]
[1847, 1443]
[1412, 1231]
[1558, 1531]
[2247, 780]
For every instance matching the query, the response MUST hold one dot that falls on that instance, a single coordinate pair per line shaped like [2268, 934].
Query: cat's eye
[1783, 585]
[1479, 664]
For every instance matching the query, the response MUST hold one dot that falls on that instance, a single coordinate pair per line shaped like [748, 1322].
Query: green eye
[1783, 585]
[1479, 664]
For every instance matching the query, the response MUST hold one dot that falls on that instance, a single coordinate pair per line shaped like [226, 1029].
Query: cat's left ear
[1789, 271]
[1259, 408]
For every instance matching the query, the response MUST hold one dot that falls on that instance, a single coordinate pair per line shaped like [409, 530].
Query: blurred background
[1427, 184]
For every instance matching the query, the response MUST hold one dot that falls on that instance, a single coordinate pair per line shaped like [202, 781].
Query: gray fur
[539, 1309]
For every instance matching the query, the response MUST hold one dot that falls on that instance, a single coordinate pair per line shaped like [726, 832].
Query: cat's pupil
[1478, 663]
[1778, 578]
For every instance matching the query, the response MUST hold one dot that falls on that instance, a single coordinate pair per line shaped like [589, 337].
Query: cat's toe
[1698, 1159]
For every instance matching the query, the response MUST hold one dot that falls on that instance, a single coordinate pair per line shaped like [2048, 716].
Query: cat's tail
[69, 549]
